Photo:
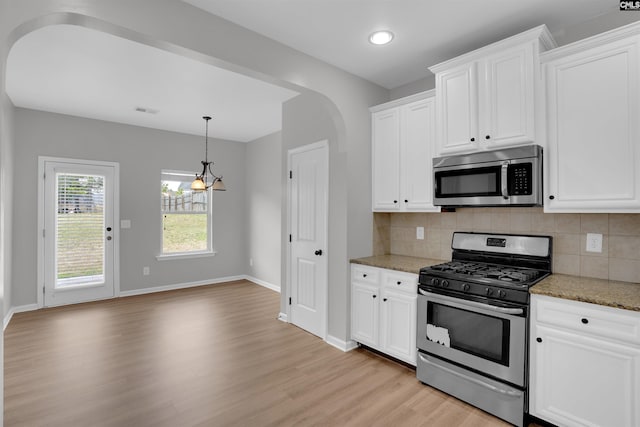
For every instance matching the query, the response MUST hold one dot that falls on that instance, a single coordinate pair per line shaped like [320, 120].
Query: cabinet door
[417, 136]
[507, 98]
[365, 316]
[457, 109]
[578, 381]
[398, 323]
[593, 152]
[386, 159]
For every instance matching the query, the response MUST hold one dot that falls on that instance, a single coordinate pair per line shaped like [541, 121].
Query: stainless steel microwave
[506, 177]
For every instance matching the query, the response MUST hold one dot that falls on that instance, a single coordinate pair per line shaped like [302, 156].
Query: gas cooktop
[492, 266]
[468, 270]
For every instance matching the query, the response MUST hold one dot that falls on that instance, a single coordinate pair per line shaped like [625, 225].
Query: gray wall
[426, 83]
[6, 194]
[305, 121]
[263, 208]
[142, 153]
[597, 25]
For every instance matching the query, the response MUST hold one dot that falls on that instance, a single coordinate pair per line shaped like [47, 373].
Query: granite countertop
[610, 293]
[408, 264]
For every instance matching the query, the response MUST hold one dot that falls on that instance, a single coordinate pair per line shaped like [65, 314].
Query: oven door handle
[504, 310]
[515, 393]
[504, 178]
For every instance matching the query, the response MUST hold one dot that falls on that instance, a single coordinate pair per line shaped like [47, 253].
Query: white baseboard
[283, 317]
[180, 286]
[18, 309]
[340, 344]
[263, 283]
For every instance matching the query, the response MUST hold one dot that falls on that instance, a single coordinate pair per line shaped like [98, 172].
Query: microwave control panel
[519, 178]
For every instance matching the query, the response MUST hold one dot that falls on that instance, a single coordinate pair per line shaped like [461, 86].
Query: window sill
[186, 255]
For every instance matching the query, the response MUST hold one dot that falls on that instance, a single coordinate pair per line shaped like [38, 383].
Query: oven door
[485, 338]
[504, 182]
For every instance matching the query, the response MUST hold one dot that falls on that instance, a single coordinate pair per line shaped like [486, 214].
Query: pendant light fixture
[200, 183]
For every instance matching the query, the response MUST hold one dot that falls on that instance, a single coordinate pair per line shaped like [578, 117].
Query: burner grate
[488, 271]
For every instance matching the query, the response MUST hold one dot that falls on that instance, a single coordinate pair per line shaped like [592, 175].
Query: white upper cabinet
[403, 133]
[593, 126]
[489, 98]
[386, 159]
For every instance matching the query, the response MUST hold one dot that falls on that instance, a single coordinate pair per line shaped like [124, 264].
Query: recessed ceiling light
[381, 37]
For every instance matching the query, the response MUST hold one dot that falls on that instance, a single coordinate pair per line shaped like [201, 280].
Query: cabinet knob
[374, 296]
[406, 201]
[487, 137]
[364, 275]
[395, 201]
[473, 139]
[552, 197]
[384, 299]
[399, 283]
[584, 320]
[539, 339]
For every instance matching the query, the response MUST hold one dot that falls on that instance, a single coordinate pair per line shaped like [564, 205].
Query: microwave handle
[503, 179]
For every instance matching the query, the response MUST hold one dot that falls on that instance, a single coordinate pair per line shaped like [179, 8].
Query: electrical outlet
[145, 271]
[594, 242]
[420, 233]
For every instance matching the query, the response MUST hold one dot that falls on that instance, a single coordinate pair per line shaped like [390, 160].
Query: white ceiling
[76, 71]
[426, 31]
[81, 72]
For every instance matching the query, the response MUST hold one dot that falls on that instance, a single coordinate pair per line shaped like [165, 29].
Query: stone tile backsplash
[395, 233]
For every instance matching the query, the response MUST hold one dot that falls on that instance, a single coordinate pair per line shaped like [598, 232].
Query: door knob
[108, 228]
[318, 252]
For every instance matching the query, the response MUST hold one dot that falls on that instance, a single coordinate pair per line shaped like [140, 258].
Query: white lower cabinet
[383, 310]
[585, 364]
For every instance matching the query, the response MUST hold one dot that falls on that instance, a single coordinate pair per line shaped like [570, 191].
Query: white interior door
[79, 233]
[308, 195]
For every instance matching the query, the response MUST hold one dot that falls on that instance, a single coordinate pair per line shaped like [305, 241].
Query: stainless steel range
[473, 313]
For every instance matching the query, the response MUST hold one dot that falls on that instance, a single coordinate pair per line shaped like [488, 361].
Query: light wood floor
[207, 356]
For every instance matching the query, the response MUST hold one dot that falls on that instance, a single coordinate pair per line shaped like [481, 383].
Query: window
[186, 216]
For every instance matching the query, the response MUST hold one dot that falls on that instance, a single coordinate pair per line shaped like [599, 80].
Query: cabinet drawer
[401, 281]
[365, 274]
[588, 319]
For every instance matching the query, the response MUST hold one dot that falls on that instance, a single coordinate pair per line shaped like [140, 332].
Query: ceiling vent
[146, 110]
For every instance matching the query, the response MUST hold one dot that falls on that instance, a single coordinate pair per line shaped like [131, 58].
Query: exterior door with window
[79, 230]
[308, 192]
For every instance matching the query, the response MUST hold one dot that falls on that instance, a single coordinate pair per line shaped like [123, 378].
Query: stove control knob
[488, 291]
[465, 287]
[445, 283]
[502, 293]
[435, 282]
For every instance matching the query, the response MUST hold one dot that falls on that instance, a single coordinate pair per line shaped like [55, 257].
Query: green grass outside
[184, 233]
[80, 233]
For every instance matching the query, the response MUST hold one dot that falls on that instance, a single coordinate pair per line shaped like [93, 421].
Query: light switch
[125, 223]
[420, 233]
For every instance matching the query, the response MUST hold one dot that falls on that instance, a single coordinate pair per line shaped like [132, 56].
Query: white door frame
[40, 282]
[324, 144]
